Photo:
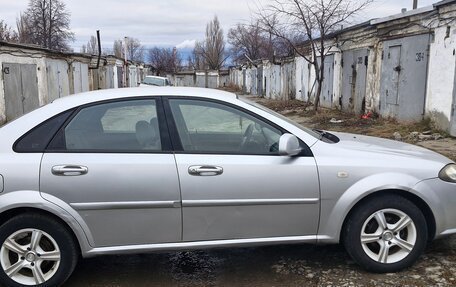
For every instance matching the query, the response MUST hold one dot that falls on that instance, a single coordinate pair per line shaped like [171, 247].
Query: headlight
[448, 173]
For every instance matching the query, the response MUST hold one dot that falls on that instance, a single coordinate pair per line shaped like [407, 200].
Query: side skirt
[144, 248]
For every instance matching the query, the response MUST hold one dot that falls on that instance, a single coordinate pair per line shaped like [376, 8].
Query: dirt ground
[373, 126]
[287, 265]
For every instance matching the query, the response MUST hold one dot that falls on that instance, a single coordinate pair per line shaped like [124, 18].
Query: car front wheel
[35, 251]
[385, 234]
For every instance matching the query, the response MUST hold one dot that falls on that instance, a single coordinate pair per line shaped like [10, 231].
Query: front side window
[119, 126]
[210, 127]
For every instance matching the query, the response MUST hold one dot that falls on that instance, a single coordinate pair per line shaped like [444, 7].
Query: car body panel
[369, 165]
[440, 197]
[255, 197]
[120, 193]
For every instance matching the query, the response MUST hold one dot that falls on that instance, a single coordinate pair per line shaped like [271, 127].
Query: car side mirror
[289, 145]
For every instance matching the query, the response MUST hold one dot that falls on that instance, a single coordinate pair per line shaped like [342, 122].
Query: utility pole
[415, 4]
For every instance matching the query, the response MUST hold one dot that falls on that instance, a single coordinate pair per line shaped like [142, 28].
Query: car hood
[385, 147]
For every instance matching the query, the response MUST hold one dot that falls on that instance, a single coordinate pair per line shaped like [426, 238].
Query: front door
[234, 184]
[110, 164]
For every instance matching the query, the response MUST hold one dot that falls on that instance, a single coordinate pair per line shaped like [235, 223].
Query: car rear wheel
[385, 234]
[35, 251]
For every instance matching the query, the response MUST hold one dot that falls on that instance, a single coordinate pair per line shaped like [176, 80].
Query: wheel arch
[27, 201]
[10, 213]
[415, 199]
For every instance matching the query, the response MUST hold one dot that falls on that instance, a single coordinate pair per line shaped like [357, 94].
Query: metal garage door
[57, 79]
[327, 85]
[404, 77]
[354, 80]
[21, 89]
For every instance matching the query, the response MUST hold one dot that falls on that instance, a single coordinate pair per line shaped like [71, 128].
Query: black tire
[64, 240]
[386, 205]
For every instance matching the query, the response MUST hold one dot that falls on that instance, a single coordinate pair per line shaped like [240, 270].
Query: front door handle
[205, 170]
[69, 170]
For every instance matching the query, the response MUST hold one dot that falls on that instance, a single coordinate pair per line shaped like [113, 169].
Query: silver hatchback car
[152, 169]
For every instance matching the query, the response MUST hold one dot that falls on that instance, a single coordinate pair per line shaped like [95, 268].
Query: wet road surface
[290, 265]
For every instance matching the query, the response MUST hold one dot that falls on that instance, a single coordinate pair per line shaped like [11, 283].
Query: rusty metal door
[327, 85]
[109, 77]
[120, 77]
[77, 78]
[404, 77]
[260, 88]
[21, 89]
[392, 73]
[57, 79]
[354, 74]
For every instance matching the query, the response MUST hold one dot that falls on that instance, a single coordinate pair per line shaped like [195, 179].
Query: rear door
[112, 163]
[234, 184]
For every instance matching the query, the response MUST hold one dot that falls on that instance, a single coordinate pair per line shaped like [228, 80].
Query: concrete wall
[61, 74]
[440, 83]
[427, 74]
[204, 79]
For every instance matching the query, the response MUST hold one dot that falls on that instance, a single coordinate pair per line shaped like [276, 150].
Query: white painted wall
[441, 76]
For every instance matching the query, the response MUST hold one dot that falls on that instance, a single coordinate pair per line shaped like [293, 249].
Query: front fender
[33, 199]
[335, 208]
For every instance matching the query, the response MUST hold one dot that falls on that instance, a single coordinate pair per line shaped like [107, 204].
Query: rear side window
[124, 126]
[37, 139]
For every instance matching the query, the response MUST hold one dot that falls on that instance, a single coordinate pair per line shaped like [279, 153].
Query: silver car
[153, 169]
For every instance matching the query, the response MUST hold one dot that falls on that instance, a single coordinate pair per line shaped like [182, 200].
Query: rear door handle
[69, 170]
[205, 170]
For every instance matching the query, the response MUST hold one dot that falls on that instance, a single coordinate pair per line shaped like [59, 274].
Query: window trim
[166, 144]
[176, 141]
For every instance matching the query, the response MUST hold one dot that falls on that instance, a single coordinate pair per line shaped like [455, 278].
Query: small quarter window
[39, 137]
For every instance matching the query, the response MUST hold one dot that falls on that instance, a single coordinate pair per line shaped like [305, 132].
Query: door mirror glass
[289, 145]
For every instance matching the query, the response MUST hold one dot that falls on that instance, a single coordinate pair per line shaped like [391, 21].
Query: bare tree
[305, 25]
[165, 60]
[24, 32]
[92, 46]
[248, 41]
[7, 34]
[196, 60]
[135, 51]
[118, 49]
[49, 24]
[212, 49]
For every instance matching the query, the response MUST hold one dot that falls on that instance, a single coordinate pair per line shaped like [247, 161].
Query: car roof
[109, 94]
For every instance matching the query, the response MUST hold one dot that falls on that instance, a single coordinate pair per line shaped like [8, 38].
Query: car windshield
[154, 81]
[307, 130]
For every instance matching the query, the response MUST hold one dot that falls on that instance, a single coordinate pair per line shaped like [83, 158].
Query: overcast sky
[166, 22]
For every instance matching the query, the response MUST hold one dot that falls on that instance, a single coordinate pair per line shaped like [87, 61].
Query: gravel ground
[288, 265]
